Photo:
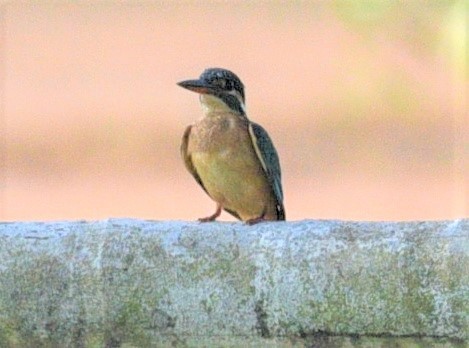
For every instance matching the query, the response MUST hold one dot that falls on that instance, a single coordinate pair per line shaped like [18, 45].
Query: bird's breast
[224, 158]
[219, 134]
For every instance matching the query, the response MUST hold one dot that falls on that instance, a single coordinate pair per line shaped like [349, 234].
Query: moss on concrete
[130, 283]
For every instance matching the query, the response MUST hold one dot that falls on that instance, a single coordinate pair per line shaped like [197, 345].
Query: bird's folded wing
[268, 157]
[186, 156]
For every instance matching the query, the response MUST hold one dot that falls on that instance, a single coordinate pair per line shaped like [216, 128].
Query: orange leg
[256, 220]
[213, 216]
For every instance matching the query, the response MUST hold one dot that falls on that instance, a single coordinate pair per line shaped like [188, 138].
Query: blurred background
[364, 100]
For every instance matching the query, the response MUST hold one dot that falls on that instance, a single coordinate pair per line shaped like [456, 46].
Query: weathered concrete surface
[135, 283]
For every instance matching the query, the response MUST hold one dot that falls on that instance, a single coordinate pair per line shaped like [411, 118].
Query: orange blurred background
[365, 102]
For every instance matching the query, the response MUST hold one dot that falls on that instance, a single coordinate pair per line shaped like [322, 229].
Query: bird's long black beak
[197, 86]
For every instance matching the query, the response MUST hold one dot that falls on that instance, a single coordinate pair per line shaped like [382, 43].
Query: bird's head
[219, 89]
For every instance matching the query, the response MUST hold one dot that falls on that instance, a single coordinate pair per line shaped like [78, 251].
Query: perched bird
[232, 158]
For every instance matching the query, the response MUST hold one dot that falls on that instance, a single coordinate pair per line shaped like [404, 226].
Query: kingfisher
[232, 158]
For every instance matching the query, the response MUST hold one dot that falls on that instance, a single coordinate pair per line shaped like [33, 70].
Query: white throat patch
[211, 103]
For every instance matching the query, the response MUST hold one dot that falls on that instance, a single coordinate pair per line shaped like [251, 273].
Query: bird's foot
[256, 220]
[213, 216]
[208, 218]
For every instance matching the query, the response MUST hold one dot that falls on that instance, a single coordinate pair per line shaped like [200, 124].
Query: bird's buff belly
[236, 182]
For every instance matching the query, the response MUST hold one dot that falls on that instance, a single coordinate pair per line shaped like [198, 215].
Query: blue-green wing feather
[268, 156]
